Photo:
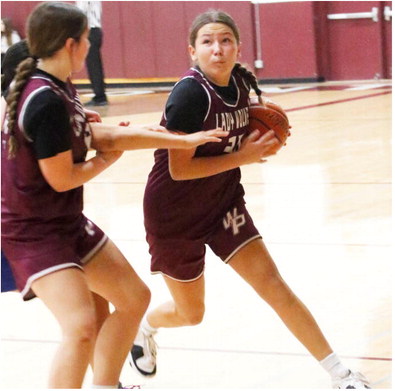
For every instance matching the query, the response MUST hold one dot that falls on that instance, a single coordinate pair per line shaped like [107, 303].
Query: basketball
[267, 116]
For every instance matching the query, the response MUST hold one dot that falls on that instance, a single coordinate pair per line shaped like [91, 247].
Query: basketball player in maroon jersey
[195, 198]
[55, 252]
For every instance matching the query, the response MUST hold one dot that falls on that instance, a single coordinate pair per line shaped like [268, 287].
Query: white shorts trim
[43, 273]
[94, 250]
[176, 279]
[241, 246]
[52, 269]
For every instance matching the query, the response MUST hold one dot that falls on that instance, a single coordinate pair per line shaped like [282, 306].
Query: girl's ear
[69, 44]
[192, 53]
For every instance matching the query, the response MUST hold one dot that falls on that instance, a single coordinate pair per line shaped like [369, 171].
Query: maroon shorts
[73, 247]
[183, 259]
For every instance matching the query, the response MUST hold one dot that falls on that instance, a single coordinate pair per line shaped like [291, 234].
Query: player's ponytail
[251, 78]
[24, 70]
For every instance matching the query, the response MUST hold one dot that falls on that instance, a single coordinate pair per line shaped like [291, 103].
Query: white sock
[147, 327]
[334, 367]
[103, 387]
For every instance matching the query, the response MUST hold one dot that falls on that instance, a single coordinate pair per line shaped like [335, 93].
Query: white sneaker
[142, 356]
[354, 380]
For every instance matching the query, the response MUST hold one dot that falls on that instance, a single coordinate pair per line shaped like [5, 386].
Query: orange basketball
[269, 115]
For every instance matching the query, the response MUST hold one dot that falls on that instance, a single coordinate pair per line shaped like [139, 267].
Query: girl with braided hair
[195, 197]
[55, 252]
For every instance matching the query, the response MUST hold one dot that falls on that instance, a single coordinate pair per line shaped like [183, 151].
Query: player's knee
[144, 299]
[136, 301]
[273, 281]
[195, 317]
[82, 330]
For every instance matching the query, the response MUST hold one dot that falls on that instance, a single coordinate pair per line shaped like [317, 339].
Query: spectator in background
[9, 36]
[93, 11]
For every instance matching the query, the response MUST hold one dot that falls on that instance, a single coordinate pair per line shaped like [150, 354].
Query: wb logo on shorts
[234, 220]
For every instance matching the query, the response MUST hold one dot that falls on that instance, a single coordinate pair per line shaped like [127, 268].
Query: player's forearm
[62, 174]
[121, 138]
[85, 171]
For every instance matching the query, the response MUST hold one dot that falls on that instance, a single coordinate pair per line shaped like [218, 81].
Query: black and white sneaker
[130, 387]
[354, 380]
[142, 356]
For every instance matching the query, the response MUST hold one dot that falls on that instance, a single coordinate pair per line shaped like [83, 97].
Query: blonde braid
[23, 72]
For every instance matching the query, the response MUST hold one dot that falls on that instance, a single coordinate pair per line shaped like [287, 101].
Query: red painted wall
[150, 39]
[288, 40]
[17, 11]
[147, 39]
[353, 48]
[387, 42]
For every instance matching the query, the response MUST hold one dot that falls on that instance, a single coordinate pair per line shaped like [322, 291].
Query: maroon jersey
[192, 208]
[44, 230]
[26, 195]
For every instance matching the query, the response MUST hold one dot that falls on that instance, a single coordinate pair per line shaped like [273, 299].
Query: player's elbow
[104, 144]
[177, 174]
[60, 187]
[103, 140]
[58, 183]
[181, 170]
[61, 184]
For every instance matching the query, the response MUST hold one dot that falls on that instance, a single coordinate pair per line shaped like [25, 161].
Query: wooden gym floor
[323, 206]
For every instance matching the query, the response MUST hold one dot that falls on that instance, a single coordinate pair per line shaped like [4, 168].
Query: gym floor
[323, 206]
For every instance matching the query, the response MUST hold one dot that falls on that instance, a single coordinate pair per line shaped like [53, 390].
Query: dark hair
[51, 24]
[12, 58]
[251, 78]
[212, 16]
[48, 27]
[218, 16]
